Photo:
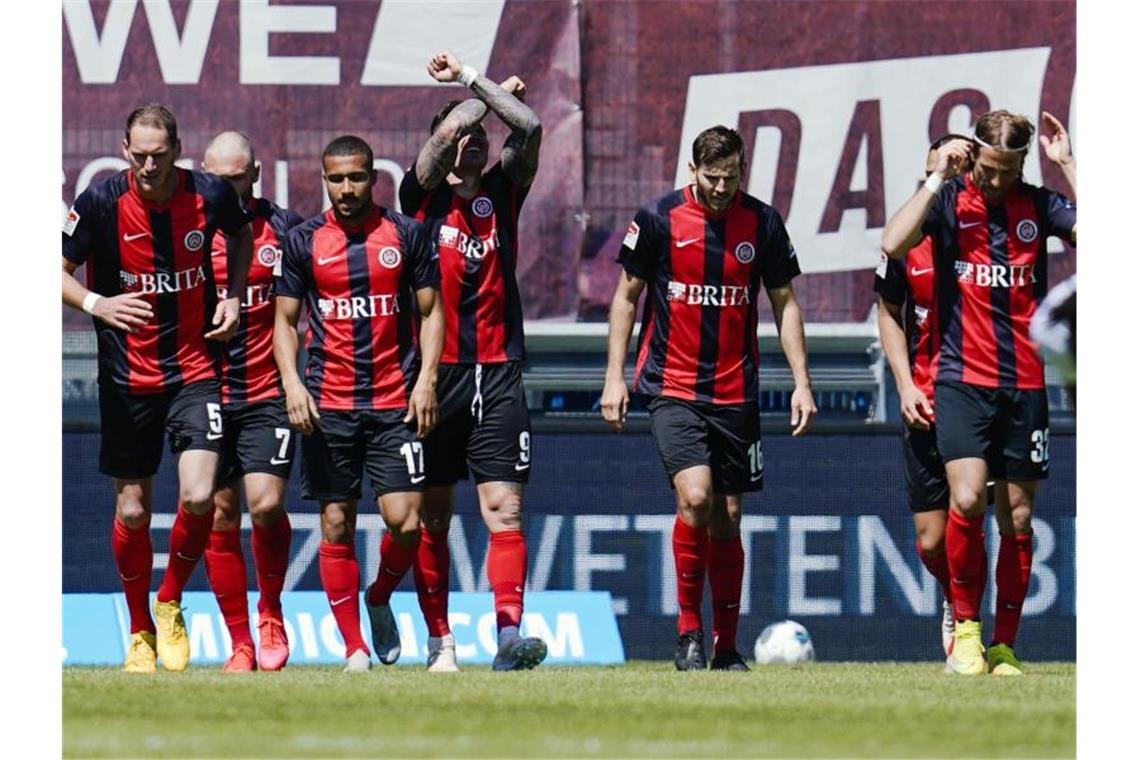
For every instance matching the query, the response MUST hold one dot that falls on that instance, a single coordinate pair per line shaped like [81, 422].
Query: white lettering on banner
[567, 633]
[403, 36]
[330, 636]
[586, 562]
[889, 101]
[800, 563]
[750, 525]
[662, 525]
[308, 636]
[539, 576]
[455, 621]
[487, 632]
[203, 642]
[919, 587]
[407, 628]
[259, 19]
[407, 34]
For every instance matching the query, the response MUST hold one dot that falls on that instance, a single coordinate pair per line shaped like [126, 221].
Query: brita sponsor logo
[360, 307]
[708, 295]
[994, 275]
[145, 283]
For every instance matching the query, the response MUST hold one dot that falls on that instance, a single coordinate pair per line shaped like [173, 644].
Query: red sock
[966, 559]
[270, 545]
[935, 563]
[506, 570]
[1015, 560]
[225, 567]
[433, 572]
[395, 561]
[135, 560]
[188, 538]
[340, 577]
[690, 550]
[726, 574]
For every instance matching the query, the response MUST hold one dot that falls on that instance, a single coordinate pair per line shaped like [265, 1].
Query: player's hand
[515, 86]
[1057, 146]
[125, 311]
[615, 404]
[301, 408]
[445, 67]
[423, 408]
[225, 319]
[803, 409]
[915, 408]
[953, 157]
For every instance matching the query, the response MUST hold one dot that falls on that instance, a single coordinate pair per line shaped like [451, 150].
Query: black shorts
[1008, 428]
[926, 485]
[726, 437]
[130, 441]
[484, 425]
[258, 439]
[346, 444]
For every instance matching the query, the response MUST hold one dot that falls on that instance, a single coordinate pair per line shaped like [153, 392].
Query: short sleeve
[412, 193]
[890, 280]
[778, 262]
[421, 255]
[640, 247]
[937, 216]
[1059, 214]
[80, 228]
[296, 263]
[228, 212]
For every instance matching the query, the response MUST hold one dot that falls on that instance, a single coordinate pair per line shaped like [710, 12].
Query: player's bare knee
[931, 543]
[1021, 515]
[197, 498]
[435, 516]
[266, 509]
[336, 528]
[694, 499]
[132, 513]
[969, 501]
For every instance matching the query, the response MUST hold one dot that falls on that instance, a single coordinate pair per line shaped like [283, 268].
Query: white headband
[984, 144]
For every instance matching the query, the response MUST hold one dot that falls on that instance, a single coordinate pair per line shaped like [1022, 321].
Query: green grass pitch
[643, 709]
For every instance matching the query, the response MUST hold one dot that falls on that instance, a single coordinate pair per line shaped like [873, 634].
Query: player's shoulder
[765, 211]
[106, 191]
[209, 186]
[301, 233]
[660, 207]
[403, 223]
[279, 215]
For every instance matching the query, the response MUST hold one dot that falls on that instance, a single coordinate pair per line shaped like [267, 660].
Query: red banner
[836, 102]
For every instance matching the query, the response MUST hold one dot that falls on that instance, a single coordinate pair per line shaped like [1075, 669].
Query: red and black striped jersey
[704, 272]
[477, 241]
[909, 282]
[359, 285]
[991, 270]
[159, 253]
[249, 373]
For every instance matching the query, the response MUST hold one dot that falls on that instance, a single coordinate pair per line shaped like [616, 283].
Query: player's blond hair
[153, 115]
[1005, 131]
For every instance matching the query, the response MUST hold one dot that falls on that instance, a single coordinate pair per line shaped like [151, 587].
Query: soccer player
[258, 443]
[989, 229]
[368, 398]
[909, 283]
[144, 234]
[705, 251]
[472, 216]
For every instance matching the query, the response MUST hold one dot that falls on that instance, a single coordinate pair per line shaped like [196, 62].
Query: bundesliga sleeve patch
[70, 221]
[631, 236]
[881, 270]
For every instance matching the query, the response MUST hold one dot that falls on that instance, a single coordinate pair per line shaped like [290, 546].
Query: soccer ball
[784, 643]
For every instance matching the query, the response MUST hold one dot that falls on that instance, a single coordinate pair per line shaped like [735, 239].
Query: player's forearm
[1069, 171]
[73, 291]
[431, 345]
[893, 340]
[790, 326]
[516, 114]
[622, 315]
[285, 344]
[437, 157]
[904, 229]
[239, 255]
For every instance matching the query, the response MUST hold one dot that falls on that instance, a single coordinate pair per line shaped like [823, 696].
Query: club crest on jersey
[70, 221]
[1027, 230]
[194, 240]
[482, 207]
[745, 252]
[267, 255]
[390, 257]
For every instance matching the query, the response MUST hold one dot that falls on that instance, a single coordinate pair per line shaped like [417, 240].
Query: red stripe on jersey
[330, 275]
[451, 268]
[187, 216]
[1022, 299]
[979, 359]
[736, 337]
[490, 309]
[389, 391]
[687, 265]
[136, 258]
[920, 292]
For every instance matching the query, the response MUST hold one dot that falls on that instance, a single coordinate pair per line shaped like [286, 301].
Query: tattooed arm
[437, 156]
[520, 153]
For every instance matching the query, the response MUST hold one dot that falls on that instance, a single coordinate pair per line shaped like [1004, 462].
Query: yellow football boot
[141, 654]
[173, 643]
[968, 657]
[1002, 661]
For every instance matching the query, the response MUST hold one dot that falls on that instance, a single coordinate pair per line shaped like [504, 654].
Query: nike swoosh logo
[275, 460]
[342, 600]
[920, 272]
[419, 479]
[968, 225]
[732, 606]
[690, 241]
[322, 260]
[522, 466]
[129, 236]
[518, 589]
[213, 436]
[132, 578]
[754, 478]
[183, 557]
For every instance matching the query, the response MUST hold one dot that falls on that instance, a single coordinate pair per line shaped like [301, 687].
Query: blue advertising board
[829, 542]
